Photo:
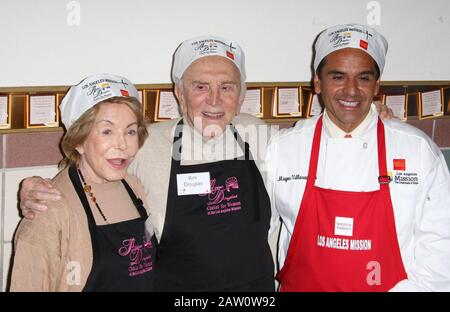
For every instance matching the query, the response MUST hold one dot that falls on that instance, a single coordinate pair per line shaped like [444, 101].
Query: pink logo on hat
[124, 92]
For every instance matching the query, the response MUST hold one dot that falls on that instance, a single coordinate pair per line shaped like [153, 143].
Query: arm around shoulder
[37, 252]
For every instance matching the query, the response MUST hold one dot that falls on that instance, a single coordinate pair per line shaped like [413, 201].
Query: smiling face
[347, 84]
[111, 144]
[209, 94]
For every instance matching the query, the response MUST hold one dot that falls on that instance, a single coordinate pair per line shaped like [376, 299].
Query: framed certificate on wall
[446, 92]
[42, 111]
[313, 107]
[253, 102]
[398, 105]
[288, 102]
[166, 106]
[141, 96]
[431, 104]
[59, 97]
[5, 111]
[379, 99]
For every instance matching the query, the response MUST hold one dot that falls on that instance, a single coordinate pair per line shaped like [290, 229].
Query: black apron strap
[73, 175]
[249, 158]
[175, 165]
[136, 201]
[243, 145]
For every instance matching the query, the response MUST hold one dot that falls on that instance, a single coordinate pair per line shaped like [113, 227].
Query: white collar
[335, 132]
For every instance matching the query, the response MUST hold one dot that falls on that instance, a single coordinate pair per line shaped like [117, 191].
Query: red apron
[344, 241]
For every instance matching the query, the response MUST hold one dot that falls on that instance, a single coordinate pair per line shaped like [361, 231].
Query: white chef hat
[198, 47]
[92, 90]
[351, 36]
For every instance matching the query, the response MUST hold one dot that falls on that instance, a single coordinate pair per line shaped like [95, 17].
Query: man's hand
[34, 194]
[384, 112]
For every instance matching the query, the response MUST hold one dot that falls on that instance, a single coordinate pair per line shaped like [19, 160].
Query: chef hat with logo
[351, 36]
[92, 90]
[198, 47]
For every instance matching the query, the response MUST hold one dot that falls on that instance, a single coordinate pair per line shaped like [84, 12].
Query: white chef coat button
[365, 145]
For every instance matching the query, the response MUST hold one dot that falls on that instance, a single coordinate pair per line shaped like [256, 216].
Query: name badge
[343, 226]
[193, 183]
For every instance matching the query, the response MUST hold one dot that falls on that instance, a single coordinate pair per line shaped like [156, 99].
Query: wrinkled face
[209, 94]
[347, 85]
[111, 144]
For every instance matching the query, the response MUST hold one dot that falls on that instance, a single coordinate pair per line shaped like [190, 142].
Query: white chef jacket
[420, 190]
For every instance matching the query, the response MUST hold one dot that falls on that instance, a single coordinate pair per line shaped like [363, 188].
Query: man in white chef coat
[364, 203]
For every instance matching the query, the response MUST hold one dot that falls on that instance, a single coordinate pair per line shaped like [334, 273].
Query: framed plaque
[166, 105]
[398, 105]
[42, 111]
[253, 102]
[59, 98]
[5, 111]
[288, 102]
[431, 104]
[141, 97]
[379, 99]
[314, 107]
[446, 91]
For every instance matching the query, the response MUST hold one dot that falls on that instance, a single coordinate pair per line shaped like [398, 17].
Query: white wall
[136, 38]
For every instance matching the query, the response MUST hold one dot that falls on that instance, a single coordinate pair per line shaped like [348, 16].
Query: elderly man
[207, 198]
[368, 207]
[215, 241]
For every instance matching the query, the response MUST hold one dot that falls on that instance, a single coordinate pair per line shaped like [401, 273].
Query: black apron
[123, 258]
[216, 241]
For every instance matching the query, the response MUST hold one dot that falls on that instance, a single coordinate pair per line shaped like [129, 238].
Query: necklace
[88, 189]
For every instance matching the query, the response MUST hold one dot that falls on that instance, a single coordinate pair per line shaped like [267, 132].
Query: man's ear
[180, 98]
[317, 84]
[377, 87]
[241, 101]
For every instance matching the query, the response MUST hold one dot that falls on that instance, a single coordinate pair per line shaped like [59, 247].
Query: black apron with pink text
[217, 241]
[123, 258]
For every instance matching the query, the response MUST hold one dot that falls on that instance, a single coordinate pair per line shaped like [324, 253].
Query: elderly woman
[94, 238]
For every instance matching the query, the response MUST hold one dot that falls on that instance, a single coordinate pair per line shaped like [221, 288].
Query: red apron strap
[383, 177]
[314, 158]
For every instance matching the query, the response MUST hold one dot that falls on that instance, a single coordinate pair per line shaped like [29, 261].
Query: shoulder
[402, 128]
[159, 141]
[163, 128]
[406, 134]
[135, 184]
[64, 185]
[253, 129]
[247, 119]
[62, 181]
[45, 226]
[302, 128]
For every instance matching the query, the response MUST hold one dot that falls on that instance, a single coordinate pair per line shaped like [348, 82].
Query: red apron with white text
[344, 241]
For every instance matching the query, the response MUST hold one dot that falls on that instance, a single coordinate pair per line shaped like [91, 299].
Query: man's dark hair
[322, 64]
